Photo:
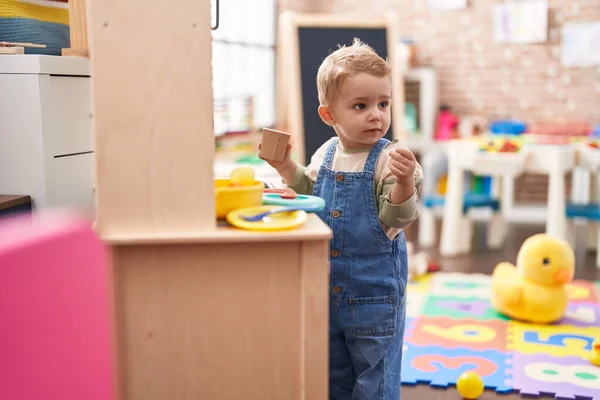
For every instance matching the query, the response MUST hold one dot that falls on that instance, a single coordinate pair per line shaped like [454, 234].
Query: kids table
[552, 160]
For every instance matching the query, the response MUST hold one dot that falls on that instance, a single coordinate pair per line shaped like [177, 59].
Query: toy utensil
[260, 216]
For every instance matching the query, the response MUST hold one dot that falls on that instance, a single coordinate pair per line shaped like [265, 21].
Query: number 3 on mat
[425, 363]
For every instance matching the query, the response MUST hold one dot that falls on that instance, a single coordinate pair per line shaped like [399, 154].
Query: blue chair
[589, 212]
[470, 200]
[586, 211]
[496, 230]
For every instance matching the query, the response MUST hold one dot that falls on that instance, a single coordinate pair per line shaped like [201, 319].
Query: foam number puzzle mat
[451, 328]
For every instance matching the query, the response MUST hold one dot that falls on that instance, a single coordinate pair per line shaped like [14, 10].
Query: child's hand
[287, 159]
[402, 164]
[285, 168]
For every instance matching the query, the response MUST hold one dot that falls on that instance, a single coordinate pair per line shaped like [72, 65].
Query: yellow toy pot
[229, 198]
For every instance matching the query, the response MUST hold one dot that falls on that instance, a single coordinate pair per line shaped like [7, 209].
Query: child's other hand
[287, 159]
[402, 164]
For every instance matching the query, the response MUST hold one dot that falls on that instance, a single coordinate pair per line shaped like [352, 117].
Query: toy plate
[275, 222]
[301, 200]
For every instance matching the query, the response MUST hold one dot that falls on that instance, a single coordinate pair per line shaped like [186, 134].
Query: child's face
[360, 113]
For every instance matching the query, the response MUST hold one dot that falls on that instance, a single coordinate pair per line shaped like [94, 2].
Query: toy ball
[242, 176]
[595, 354]
[469, 385]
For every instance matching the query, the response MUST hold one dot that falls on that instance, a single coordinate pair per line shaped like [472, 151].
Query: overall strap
[328, 160]
[371, 162]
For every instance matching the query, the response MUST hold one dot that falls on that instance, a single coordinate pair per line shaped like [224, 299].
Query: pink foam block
[55, 332]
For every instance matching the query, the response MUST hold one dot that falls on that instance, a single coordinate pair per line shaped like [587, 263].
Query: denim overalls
[367, 282]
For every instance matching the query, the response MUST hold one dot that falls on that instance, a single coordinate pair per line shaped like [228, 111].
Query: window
[243, 61]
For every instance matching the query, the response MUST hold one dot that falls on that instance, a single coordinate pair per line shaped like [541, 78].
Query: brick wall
[481, 77]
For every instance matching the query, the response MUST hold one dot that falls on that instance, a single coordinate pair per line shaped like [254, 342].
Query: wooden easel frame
[78, 30]
[290, 111]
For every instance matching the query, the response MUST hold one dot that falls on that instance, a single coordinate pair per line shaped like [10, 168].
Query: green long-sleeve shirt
[393, 217]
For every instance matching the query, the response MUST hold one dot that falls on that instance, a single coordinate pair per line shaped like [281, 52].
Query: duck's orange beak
[562, 275]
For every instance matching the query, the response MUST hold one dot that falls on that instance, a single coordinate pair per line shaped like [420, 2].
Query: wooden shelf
[313, 229]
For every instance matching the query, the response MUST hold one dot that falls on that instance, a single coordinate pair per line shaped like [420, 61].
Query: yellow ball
[243, 176]
[469, 385]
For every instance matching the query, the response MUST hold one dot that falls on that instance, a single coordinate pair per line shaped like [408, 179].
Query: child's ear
[326, 116]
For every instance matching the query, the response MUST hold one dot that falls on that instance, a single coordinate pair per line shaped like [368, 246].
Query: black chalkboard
[315, 43]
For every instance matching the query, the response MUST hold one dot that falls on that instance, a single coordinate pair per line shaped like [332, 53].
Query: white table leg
[508, 194]
[427, 233]
[592, 226]
[592, 236]
[598, 246]
[580, 186]
[556, 219]
[466, 234]
[450, 241]
[579, 195]
[496, 228]
[496, 191]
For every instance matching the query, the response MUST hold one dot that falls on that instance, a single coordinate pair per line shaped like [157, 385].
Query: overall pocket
[373, 316]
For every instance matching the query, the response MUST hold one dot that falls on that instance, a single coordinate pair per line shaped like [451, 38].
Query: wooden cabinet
[224, 314]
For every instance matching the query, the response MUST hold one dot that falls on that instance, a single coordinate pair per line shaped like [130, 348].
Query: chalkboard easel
[305, 40]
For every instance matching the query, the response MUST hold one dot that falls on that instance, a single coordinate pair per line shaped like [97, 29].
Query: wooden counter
[313, 229]
[226, 315]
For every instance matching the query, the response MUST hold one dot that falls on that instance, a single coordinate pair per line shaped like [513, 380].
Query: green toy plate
[301, 200]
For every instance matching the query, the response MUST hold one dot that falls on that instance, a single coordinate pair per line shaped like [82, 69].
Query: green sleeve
[397, 215]
[301, 183]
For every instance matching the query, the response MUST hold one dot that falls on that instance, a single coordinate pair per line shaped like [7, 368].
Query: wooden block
[274, 144]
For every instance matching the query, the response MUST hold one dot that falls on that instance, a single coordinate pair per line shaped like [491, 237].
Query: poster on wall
[521, 22]
[446, 5]
[581, 44]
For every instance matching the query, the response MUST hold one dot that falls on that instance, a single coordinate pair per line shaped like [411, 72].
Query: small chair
[590, 212]
[496, 228]
[55, 335]
[584, 206]
[435, 165]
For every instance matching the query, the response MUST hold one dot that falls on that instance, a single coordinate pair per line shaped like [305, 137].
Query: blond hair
[345, 61]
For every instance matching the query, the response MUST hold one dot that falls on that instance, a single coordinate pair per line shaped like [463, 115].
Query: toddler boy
[370, 187]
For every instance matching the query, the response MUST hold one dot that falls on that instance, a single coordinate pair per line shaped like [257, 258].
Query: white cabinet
[46, 144]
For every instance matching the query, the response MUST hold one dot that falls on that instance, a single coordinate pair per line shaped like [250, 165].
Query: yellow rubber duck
[535, 290]
[595, 355]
